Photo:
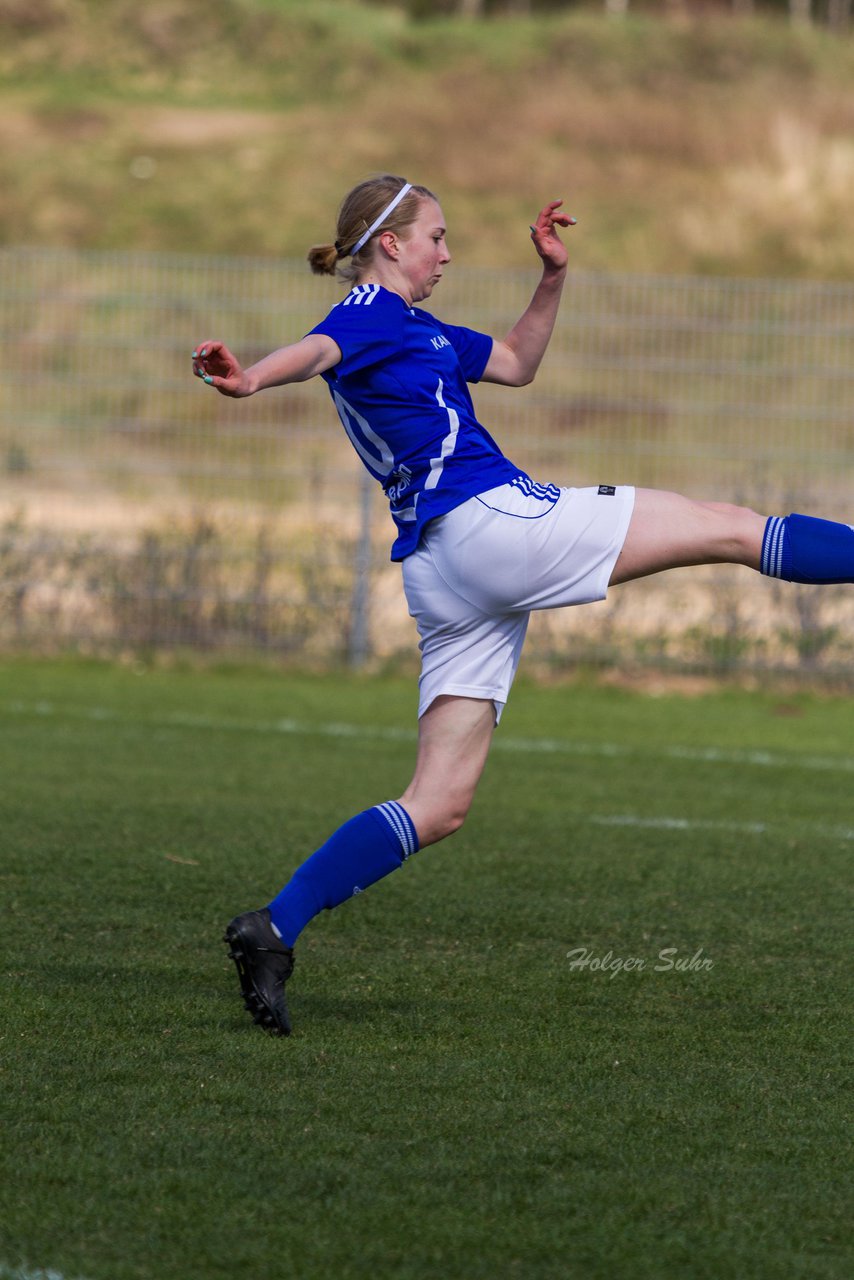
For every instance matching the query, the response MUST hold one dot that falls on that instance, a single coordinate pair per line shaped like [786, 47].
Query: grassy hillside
[236, 126]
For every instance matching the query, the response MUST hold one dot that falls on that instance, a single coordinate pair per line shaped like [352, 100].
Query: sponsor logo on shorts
[607, 490]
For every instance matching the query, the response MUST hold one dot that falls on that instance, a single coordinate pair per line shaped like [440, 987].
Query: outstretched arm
[514, 361]
[219, 368]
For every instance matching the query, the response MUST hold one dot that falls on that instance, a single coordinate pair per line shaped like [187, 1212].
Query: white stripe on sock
[777, 563]
[407, 825]
[772, 552]
[394, 822]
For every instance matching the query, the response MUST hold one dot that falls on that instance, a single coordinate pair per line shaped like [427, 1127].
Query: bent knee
[453, 821]
[446, 823]
[438, 823]
[733, 511]
[740, 531]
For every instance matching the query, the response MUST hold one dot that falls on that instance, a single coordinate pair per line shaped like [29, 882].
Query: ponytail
[322, 258]
[384, 203]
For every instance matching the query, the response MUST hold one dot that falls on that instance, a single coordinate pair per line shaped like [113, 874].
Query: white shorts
[480, 570]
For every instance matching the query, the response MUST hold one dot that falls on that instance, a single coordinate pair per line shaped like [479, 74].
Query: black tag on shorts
[608, 490]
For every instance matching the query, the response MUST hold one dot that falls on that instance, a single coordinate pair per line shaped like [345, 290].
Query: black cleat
[264, 965]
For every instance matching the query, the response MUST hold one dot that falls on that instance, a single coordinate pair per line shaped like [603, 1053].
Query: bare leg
[454, 735]
[668, 531]
[453, 741]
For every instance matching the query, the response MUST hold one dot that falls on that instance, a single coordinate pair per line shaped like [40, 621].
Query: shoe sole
[262, 1015]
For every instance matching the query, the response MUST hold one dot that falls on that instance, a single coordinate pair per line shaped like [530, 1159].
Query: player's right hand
[220, 369]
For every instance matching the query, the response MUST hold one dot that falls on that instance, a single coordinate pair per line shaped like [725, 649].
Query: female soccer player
[481, 543]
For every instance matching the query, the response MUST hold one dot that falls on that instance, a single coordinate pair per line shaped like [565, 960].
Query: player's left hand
[547, 242]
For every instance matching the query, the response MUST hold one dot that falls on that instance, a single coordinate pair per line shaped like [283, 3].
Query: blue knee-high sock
[365, 849]
[803, 549]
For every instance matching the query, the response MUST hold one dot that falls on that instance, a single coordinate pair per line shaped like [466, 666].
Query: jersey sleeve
[366, 335]
[473, 349]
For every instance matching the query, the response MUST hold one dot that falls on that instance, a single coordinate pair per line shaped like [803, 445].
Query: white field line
[27, 1273]
[736, 828]
[550, 746]
[685, 824]
[525, 746]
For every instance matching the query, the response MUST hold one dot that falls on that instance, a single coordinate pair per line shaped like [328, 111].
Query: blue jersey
[400, 391]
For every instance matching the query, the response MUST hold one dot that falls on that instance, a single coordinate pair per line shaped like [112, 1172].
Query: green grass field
[457, 1100]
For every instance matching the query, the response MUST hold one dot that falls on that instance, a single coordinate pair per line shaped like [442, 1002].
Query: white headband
[390, 208]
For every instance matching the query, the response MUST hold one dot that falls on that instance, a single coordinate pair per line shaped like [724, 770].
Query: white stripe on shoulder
[361, 294]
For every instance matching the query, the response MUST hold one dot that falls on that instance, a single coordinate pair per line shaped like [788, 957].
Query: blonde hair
[359, 209]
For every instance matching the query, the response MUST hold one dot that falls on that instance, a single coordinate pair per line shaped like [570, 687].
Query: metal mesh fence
[139, 510]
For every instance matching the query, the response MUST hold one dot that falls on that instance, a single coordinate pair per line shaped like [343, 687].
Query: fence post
[358, 648]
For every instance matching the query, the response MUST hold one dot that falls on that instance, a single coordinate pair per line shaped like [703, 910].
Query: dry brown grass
[719, 147]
